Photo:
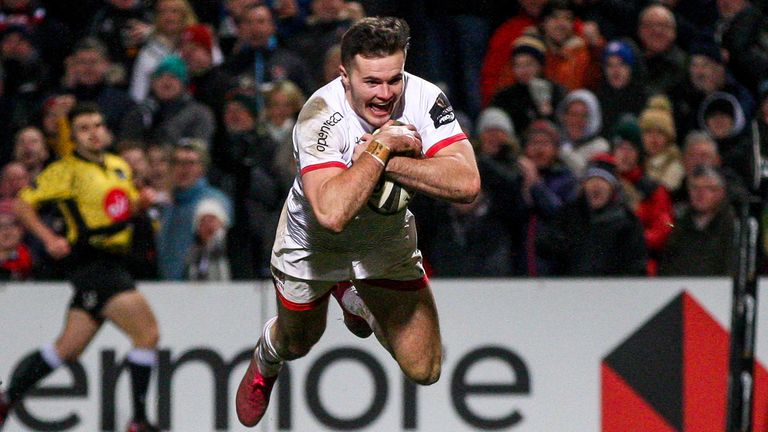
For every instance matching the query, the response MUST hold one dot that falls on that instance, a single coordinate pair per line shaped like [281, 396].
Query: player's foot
[354, 322]
[141, 426]
[5, 409]
[253, 395]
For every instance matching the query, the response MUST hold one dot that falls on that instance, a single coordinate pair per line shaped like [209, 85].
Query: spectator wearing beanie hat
[706, 74]
[495, 133]
[207, 259]
[208, 83]
[497, 68]
[531, 96]
[595, 234]
[547, 185]
[621, 89]
[663, 161]
[530, 44]
[650, 201]
[169, 113]
[172, 65]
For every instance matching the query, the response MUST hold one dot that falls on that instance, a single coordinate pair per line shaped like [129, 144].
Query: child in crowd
[15, 258]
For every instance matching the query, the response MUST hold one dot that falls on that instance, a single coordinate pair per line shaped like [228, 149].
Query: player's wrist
[379, 151]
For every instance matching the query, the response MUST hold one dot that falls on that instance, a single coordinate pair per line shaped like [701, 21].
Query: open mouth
[380, 109]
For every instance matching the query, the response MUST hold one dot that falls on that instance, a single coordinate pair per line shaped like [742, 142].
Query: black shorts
[97, 277]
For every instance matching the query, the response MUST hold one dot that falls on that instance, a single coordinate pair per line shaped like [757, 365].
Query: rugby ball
[389, 197]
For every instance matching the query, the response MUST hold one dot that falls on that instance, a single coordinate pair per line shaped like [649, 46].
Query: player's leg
[302, 309]
[357, 317]
[79, 329]
[407, 320]
[130, 312]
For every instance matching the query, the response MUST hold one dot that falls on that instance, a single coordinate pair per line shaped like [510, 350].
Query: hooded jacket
[735, 148]
[577, 152]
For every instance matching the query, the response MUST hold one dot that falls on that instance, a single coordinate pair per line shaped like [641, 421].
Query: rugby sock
[266, 355]
[32, 370]
[140, 363]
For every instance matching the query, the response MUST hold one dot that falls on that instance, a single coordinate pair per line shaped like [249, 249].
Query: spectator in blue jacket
[190, 188]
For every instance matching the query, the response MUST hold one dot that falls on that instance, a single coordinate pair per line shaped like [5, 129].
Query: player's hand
[529, 171]
[209, 228]
[147, 198]
[361, 146]
[58, 247]
[401, 139]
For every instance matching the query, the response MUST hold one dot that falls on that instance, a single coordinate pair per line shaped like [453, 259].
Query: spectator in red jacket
[15, 259]
[497, 70]
[647, 198]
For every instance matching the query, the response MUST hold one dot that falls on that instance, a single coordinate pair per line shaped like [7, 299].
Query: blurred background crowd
[614, 137]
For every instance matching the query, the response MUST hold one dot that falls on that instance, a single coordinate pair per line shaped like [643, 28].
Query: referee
[95, 193]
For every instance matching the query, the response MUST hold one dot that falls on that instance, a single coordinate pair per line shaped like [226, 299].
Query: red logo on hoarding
[672, 374]
[117, 205]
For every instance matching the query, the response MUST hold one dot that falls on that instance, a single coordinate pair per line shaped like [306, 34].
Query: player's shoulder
[424, 99]
[323, 113]
[116, 163]
[61, 165]
[416, 86]
[111, 159]
[324, 101]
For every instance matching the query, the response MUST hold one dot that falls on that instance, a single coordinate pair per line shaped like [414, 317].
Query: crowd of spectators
[612, 137]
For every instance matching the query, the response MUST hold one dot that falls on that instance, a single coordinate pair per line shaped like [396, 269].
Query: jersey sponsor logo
[442, 111]
[117, 205]
[325, 129]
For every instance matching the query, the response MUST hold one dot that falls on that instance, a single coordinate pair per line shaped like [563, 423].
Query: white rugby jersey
[372, 245]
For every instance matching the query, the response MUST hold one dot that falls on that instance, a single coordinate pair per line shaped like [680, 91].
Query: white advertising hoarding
[520, 355]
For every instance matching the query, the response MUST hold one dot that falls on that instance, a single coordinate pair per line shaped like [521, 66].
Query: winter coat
[693, 251]
[583, 242]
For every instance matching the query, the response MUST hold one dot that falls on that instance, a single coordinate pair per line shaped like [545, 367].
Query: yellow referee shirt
[95, 199]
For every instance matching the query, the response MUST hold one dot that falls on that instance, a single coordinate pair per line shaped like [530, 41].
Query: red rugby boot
[354, 322]
[141, 426]
[5, 409]
[253, 395]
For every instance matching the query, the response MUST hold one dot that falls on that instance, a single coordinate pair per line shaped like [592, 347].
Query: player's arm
[56, 245]
[52, 184]
[337, 195]
[450, 174]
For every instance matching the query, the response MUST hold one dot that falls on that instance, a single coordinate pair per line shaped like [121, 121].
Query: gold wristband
[379, 151]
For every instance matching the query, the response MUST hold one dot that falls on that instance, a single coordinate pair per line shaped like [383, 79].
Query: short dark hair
[83, 108]
[374, 37]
